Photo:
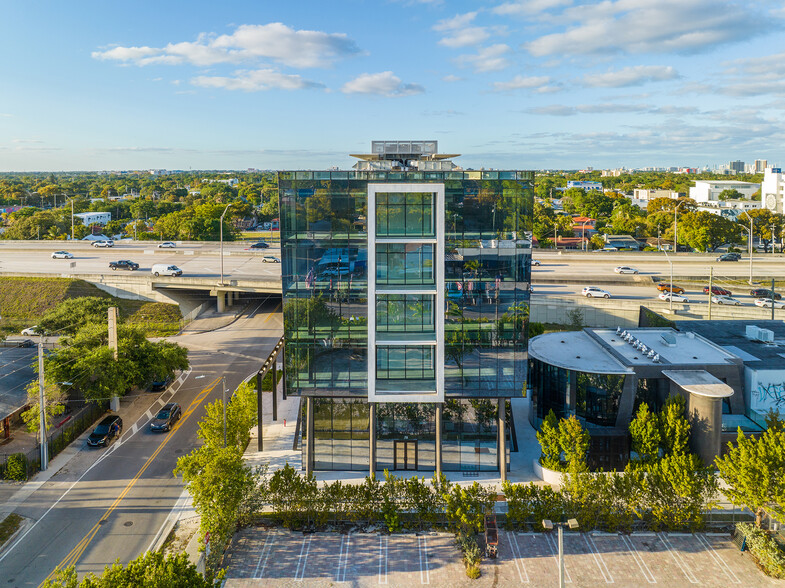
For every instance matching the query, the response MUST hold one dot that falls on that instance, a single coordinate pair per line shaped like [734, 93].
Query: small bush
[764, 549]
[473, 572]
[16, 467]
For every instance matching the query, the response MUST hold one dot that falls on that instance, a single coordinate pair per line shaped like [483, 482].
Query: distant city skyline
[540, 84]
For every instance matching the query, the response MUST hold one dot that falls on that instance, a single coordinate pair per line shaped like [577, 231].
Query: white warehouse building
[94, 218]
[710, 190]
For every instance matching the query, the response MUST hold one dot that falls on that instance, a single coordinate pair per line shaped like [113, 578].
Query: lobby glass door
[405, 455]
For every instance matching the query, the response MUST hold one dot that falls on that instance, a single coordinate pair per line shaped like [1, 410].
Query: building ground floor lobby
[459, 435]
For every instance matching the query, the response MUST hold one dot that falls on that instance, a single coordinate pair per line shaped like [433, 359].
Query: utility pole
[42, 406]
[223, 385]
[114, 402]
[711, 280]
[221, 283]
[772, 299]
[72, 219]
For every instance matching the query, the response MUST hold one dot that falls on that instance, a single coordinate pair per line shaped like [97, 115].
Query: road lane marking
[549, 540]
[302, 561]
[721, 562]
[76, 553]
[637, 557]
[148, 414]
[425, 572]
[598, 559]
[678, 559]
[382, 559]
[516, 556]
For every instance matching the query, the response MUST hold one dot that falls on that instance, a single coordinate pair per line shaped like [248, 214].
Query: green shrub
[473, 572]
[16, 467]
[764, 549]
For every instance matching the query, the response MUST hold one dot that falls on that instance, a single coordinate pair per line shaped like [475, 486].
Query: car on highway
[666, 287]
[31, 331]
[270, 259]
[103, 243]
[718, 291]
[535, 262]
[259, 245]
[125, 264]
[62, 255]
[595, 292]
[109, 428]
[768, 302]
[671, 296]
[725, 300]
[167, 245]
[729, 257]
[165, 269]
[764, 293]
[166, 417]
[625, 269]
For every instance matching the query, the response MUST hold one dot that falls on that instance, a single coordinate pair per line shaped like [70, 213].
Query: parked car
[666, 287]
[594, 292]
[109, 428]
[62, 255]
[535, 262]
[166, 245]
[31, 331]
[166, 417]
[725, 300]
[103, 243]
[270, 259]
[165, 269]
[624, 269]
[668, 296]
[718, 291]
[729, 257]
[764, 293]
[160, 385]
[259, 245]
[125, 264]
[768, 302]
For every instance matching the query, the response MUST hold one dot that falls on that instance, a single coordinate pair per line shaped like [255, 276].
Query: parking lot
[277, 557]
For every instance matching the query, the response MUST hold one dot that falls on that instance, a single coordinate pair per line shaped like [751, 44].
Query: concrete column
[503, 439]
[275, 392]
[259, 411]
[309, 435]
[230, 299]
[371, 438]
[220, 297]
[439, 408]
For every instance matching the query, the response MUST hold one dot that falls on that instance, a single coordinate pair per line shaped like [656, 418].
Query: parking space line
[134, 429]
[516, 555]
[265, 554]
[425, 572]
[148, 414]
[549, 540]
[678, 559]
[637, 557]
[343, 558]
[305, 548]
[382, 559]
[598, 558]
[161, 401]
[721, 562]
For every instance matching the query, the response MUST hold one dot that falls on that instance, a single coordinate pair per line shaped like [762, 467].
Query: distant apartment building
[585, 185]
[710, 190]
[760, 166]
[94, 218]
[736, 166]
[772, 189]
[730, 209]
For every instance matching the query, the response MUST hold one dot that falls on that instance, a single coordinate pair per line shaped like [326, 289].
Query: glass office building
[406, 300]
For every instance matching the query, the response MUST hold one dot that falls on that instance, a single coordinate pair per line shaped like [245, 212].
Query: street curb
[234, 320]
[26, 522]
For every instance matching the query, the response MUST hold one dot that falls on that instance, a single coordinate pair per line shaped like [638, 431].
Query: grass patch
[267, 380]
[24, 300]
[9, 526]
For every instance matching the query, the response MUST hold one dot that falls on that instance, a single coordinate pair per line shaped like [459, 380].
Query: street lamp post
[676, 227]
[749, 240]
[670, 298]
[549, 525]
[223, 386]
[222, 243]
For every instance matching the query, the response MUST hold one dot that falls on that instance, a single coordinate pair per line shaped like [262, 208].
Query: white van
[165, 269]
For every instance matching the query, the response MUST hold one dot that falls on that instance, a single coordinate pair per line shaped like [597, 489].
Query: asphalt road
[195, 260]
[110, 503]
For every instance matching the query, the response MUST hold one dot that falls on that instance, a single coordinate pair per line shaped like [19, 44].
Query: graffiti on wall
[769, 396]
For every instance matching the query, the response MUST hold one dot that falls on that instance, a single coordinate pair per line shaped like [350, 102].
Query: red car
[717, 291]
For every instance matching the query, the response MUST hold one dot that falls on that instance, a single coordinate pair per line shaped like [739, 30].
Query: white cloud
[382, 84]
[522, 82]
[601, 108]
[452, 78]
[528, 7]
[631, 76]
[275, 41]
[487, 59]
[458, 21]
[465, 37]
[637, 26]
[255, 81]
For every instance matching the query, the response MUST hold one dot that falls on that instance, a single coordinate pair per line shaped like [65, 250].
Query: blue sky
[561, 84]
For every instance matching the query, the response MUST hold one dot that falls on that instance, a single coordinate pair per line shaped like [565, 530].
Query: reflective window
[597, 397]
[404, 313]
[405, 367]
[404, 264]
[408, 214]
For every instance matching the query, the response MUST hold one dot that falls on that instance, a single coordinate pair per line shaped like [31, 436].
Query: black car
[166, 417]
[259, 245]
[160, 385]
[108, 429]
[125, 264]
[763, 293]
[729, 257]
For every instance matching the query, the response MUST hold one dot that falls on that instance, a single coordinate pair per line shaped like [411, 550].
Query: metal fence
[58, 439]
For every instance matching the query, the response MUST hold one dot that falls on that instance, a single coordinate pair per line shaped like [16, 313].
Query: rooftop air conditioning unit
[752, 332]
[766, 335]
